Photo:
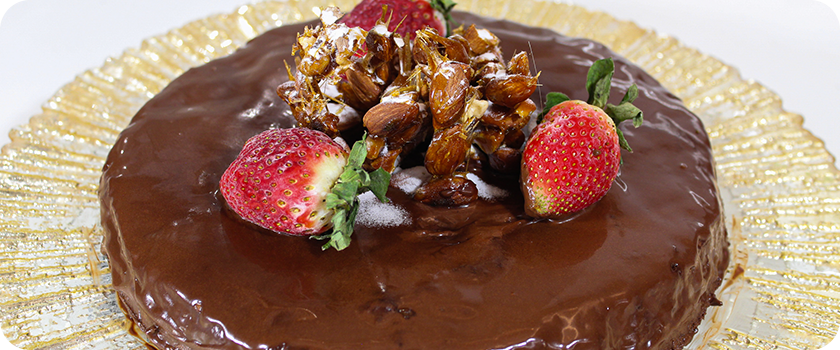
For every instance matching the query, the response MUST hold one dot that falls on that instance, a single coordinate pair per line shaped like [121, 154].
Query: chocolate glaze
[636, 270]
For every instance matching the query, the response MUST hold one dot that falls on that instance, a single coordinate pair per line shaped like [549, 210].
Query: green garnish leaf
[343, 200]
[625, 111]
[445, 8]
[551, 99]
[357, 155]
[598, 81]
[631, 94]
[622, 142]
[348, 189]
[334, 201]
[379, 180]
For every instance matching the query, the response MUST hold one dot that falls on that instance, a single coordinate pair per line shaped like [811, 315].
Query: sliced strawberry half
[300, 182]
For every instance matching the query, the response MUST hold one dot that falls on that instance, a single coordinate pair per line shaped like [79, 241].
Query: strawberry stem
[344, 201]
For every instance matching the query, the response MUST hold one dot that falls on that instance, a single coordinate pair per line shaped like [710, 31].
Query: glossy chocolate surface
[635, 270]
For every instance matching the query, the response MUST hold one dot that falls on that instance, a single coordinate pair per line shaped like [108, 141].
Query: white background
[790, 46]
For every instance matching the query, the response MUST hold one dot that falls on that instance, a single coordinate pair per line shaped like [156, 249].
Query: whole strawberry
[300, 182]
[409, 15]
[571, 159]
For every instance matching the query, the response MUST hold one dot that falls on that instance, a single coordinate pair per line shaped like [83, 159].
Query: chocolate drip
[636, 270]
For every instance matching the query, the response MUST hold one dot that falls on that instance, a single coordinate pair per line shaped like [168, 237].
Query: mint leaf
[346, 190]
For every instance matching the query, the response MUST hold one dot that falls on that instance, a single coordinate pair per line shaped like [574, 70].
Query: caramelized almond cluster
[456, 90]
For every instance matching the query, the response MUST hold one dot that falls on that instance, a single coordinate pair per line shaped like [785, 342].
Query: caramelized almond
[374, 145]
[379, 46]
[480, 40]
[487, 72]
[317, 63]
[287, 91]
[448, 93]
[391, 118]
[453, 49]
[510, 90]
[489, 138]
[359, 90]
[522, 112]
[447, 191]
[387, 161]
[515, 139]
[506, 160]
[518, 64]
[447, 151]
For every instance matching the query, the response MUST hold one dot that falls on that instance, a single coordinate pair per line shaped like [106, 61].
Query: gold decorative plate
[780, 187]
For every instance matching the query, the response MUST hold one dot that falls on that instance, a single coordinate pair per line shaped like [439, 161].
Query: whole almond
[489, 138]
[391, 118]
[448, 93]
[359, 90]
[380, 46]
[480, 40]
[519, 64]
[447, 151]
[509, 90]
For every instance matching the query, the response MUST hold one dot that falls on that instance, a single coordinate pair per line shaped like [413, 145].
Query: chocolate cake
[636, 270]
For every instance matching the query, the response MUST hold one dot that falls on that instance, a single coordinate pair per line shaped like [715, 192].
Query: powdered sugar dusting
[485, 34]
[487, 191]
[409, 180]
[330, 15]
[373, 213]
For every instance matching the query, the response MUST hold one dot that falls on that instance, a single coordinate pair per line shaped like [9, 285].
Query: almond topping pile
[454, 92]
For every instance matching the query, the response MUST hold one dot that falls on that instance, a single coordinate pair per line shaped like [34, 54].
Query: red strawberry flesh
[570, 160]
[410, 15]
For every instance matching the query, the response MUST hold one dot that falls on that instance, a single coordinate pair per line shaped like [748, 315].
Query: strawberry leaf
[598, 81]
[624, 111]
[631, 94]
[622, 142]
[551, 99]
[343, 199]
